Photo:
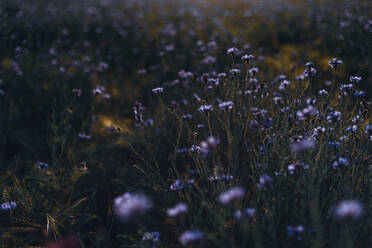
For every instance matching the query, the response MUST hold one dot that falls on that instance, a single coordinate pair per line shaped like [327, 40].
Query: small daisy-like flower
[99, 90]
[234, 71]
[205, 108]
[232, 51]
[231, 195]
[157, 90]
[348, 209]
[247, 57]
[355, 79]
[323, 92]
[190, 237]
[334, 116]
[131, 205]
[226, 105]
[334, 63]
[180, 208]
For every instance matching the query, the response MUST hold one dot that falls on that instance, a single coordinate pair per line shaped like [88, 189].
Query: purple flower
[130, 205]
[205, 108]
[151, 236]
[232, 51]
[264, 182]
[348, 209]
[190, 237]
[180, 208]
[232, 194]
[8, 205]
[303, 145]
[226, 105]
[157, 90]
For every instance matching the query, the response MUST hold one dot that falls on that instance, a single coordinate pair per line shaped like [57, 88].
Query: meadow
[164, 123]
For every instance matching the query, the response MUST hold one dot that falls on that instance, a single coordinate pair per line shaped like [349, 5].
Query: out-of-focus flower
[340, 161]
[348, 209]
[264, 182]
[303, 145]
[180, 208]
[294, 166]
[130, 205]
[190, 237]
[231, 195]
[84, 136]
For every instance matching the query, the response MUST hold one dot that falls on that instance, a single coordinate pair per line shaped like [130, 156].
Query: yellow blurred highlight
[106, 122]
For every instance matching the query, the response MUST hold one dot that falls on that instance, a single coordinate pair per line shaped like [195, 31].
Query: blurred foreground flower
[348, 209]
[231, 194]
[303, 145]
[130, 205]
[190, 237]
[180, 208]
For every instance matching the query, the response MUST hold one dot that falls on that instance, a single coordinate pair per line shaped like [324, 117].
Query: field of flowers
[175, 123]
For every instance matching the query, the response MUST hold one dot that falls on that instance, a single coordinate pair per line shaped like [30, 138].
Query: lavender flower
[234, 72]
[8, 205]
[232, 194]
[348, 210]
[130, 205]
[151, 236]
[294, 166]
[180, 208]
[226, 105]
[264, 182]
[232, 51]
[158, 90]
[205, 108]
[340, 161]
[190, 237]
[247, 57]
[303, 145]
